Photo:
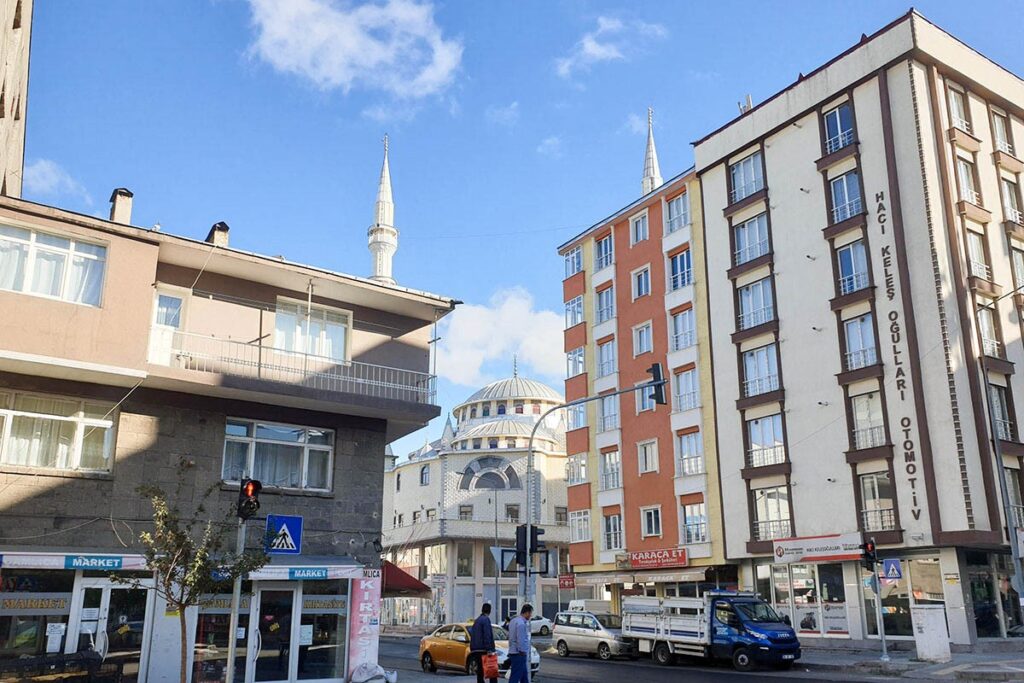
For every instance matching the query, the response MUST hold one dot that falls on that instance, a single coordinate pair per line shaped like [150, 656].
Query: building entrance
[113, 620]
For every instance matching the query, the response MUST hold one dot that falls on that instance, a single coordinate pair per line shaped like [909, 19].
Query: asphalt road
[403, 654]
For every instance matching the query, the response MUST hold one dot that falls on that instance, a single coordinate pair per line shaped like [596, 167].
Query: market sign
[658, 559]
[832, 548]
[272, 572]
[567, 581]
[59, 561]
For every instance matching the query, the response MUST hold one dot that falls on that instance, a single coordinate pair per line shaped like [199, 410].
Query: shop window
[324, 613]
[32, 599]
[464, 559]
[895, 605]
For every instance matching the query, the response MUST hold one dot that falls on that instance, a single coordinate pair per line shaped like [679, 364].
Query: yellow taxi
[448, 648]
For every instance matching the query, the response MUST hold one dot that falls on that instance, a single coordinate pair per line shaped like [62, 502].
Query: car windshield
[610, 620]
[500, 633]
[758, 612]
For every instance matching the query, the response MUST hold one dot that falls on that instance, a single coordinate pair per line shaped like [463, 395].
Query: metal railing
[861, 358]
[980, 269]
[991, 347]
[695, 532]
[678, 222]
[878, 520]
[868, 437]
[770, 455]
[611, 479]
[756, 317]
[603, 260]
[837, 142]
[771, 528]
[847, 210]
[606, 423]
[606, 367]
[682, 340]
[686, 401]
[689, 465]
[760, 385]
[743, 191]
[1004, 429]
[1015, 215]
[1004, 146]
[1017, 516]
[202, 353]
[605, 313]
[962, 124]
[613, 540]
[680, 279]
[750, 252]
[969, 195]
[853, 282]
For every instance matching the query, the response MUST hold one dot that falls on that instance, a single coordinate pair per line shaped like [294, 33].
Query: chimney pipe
[218, 235]
[121, 206]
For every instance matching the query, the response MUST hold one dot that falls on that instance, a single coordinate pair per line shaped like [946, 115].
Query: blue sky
[514, 125]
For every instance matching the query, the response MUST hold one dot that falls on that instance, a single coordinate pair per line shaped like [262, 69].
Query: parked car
[591, 634]
[448, 648]
[541, 625]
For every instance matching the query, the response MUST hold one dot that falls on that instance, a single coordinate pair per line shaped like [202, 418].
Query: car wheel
[563, 649]
[604, 652]
[428, 663]
[662, 655]
[742, 661]
[545, 631]
[471, 664]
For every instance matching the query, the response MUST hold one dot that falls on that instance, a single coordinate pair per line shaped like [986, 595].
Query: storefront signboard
[601, 579]
[364, 632]
[832, 548]
[567, 581]
[60, 561]
[315, 573]
[658, 559]
[36, 604]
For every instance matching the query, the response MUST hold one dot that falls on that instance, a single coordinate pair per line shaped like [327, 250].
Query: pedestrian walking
[481, 641]
[519, 645]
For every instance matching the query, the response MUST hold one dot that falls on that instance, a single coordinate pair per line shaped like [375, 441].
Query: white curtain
[86, 281]
[38, 442]
[12, 265]
[278, 465]
[48, 272]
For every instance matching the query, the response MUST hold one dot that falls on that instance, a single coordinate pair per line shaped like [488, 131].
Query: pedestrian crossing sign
[891, 569]
[284, 535]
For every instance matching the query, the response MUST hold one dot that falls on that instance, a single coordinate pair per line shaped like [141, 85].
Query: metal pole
[497, 570]
[878, 612]
[236, 598]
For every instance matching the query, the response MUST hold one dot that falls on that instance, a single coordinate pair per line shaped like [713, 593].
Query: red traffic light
[251, 488]
[248, 498]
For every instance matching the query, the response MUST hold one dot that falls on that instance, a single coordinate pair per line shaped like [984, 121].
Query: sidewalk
[962, 667]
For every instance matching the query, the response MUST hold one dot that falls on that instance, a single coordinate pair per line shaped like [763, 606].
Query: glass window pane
[86, 283]
[48, 273]
[53, 241]
[332, 343]
[321, 437]
[46, 405]
[236, 460]
[39, 442]
[19, 233]
[168, 311]
[13, 257]
[238, 428]
[90, 249]
[318, 469]
[278, 465]
[97, 448]
[279, 433]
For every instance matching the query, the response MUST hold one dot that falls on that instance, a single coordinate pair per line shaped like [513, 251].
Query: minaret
[652, 172]
[382, 235]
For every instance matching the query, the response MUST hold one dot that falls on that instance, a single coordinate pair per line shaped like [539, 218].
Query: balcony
[1004, 146]
[771, 529]
[680, 279]
[612, 541]
[883, 519]
[743, 191]
[682, 340]
[1015, 215]
[868, 437]
[756, 317]
[981, 270]
[606, 367]
[750, 252]
[991, 347]
[607, 423]
[848, 210]
[970, 195]
[852, 283]
[603, 260]
[611, 479]
[689, 465]
[686, 401]
[837, 142]
[762, 457]
[677, 223]
[605, 313]
[760, 385]
[695, 532]
[229, 358]
[962, 124]
[861, 358]
[1017, 516]
[1005, 430]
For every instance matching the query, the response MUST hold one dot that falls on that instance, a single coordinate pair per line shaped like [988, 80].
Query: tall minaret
[652, 172]
[383, 235]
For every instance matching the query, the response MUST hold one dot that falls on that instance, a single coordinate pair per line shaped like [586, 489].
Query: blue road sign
[284, 535]
[891, 569]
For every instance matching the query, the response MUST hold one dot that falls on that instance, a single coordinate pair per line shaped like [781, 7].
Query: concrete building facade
[15, 41]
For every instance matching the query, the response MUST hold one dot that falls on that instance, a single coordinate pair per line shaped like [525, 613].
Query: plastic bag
[490, 665]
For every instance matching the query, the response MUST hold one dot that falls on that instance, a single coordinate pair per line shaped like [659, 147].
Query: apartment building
[863, 234]
[125, 350]
[448, 503]
[643, 499]
[15, 40]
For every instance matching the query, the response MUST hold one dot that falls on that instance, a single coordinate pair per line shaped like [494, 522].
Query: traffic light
[248, 498]
[521, 545]
[536, 545]
[869, 556]
[657, 384]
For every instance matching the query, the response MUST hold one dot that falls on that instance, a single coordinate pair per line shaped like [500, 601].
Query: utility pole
[236, 598]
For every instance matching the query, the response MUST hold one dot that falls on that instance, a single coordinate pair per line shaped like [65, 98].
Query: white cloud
[503, 116]
[476, 335]
[636, 124]
[551, 146]
[394, 46]
[612, 40]
[46, 178]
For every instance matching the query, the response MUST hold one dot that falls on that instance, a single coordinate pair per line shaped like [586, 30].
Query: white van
[583, 632]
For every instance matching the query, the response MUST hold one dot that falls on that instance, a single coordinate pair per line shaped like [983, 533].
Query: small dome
[515, 388]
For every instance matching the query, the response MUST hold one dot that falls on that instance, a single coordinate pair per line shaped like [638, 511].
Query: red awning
[399, 583]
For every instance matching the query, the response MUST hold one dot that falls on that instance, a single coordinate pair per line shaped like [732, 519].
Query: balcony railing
[605, 368]
[603, 260]
[607, 423]
[682, 340]
[980, 270]
[613, 540]
[771, 455]
[1015, 215]
[695, 532]
[962, 124]
[868, 437]
[611, 479]
[970, 195]
[760, 385]
[750, 252]
[689, 465]
[847, 210]
[1017, 516]
[678, 222]
[861, 358]
[836, 143]
[878, 520]
[771, 528]
[202, 353]
[680, 279]
[991, 347]
[1004, 146]
[605, 313]
[756, 317]
[686, 401]
[743, 191]
[853, 282]
[1004, 429]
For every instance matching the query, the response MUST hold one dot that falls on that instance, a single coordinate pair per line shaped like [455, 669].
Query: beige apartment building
[865, 243]
[15, 40]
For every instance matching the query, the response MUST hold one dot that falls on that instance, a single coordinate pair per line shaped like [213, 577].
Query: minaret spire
[652, 172]
[382, 235]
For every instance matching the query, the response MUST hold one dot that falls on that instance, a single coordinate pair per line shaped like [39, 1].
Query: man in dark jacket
[481, 641]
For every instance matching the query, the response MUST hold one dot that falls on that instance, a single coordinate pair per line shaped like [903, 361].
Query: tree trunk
[184, 643]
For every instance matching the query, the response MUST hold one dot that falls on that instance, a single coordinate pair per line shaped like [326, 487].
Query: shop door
[271, 655]
[113, 620]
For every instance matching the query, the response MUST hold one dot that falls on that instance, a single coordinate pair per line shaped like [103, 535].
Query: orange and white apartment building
[642, 513]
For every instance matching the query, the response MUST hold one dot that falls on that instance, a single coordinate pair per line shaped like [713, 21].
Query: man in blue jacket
[519, 648]
[481, 641]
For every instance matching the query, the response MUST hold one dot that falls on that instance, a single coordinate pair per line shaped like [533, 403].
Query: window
[846, 199]
[678, 213]
[55, 433]
[609, 415]
[1011, 201]
[561, 515]
[282, 455]
[576, 417]
[642, 339]
[1005, 429]
[573, 261]
[579, 526]
[1017, 263]
[1014, 493]
[315, 330]
[853, 267]
[958, 110]
[611, 470]
[466, 513]
[492, 443]
[771, 513]
[463, 559]
[644, 398]
[612, 532]
[639, 231]
[746, 177]
[1001, 128]
[576, 469]
[751, 239]
[680, 270]
[647, 456]
[477, 443]
[683, 336]
[860, 342]
[760, 370]
[604, 252]
[573, 363]
[868, 421]
[651, 519]
[518, 407]
[398, 482]
[606, 361]
[512, 513]
[989, 337]
[689, 454]
[695, 523]
[976, 257]
[425, 475]
[168, 310]
[756, 304]
[965, 180]
[573, 312]
[605, 304]
[416, 517]
[48, 265]
[400, 520]
[431, 514]
[878, 502]
[641, 283]
[686, 391]
[838, 128]
[767, 444]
